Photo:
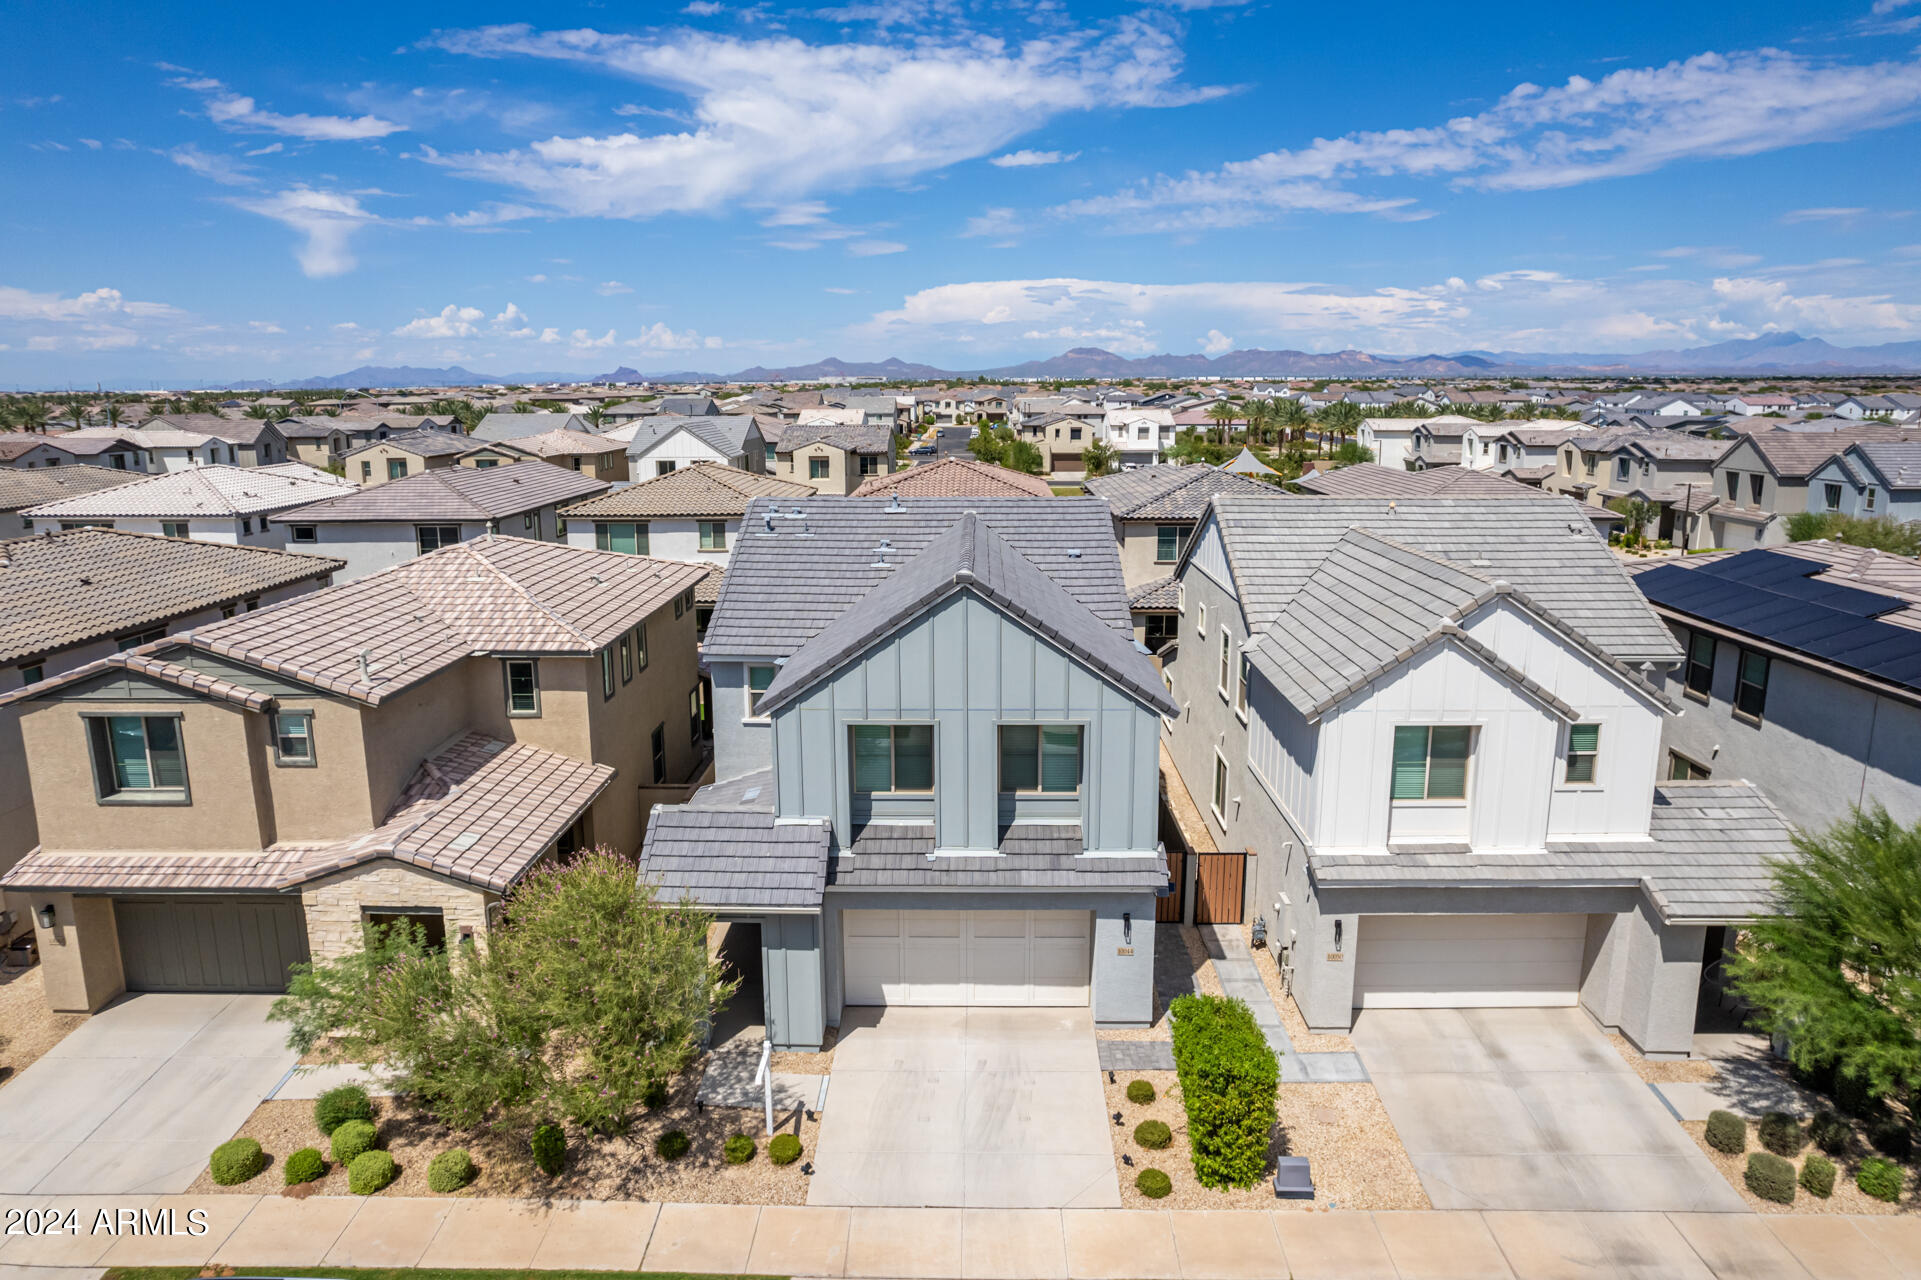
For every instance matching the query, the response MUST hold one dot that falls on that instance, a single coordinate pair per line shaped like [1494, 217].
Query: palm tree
[595, 416]
[1222, 412]
[1289, 417]
[1341, 418]
[113, 414]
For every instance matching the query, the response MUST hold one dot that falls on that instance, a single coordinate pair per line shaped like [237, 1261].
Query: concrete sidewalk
[968, 1244]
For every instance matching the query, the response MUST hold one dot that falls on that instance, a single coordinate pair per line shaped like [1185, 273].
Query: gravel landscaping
[27, 1027]
[1304, 1041]
[1676, 1071]
[1175, 974]
[1847, 1197]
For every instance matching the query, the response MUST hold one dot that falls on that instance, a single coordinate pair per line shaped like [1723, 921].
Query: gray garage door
[210, 944]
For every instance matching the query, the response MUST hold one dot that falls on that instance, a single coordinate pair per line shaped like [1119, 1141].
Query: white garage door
[966, 957]
[1467, 962]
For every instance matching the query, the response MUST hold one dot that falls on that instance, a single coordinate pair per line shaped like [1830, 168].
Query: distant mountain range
[1778, 354]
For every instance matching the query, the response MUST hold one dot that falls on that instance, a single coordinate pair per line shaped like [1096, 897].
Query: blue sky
[238, 191]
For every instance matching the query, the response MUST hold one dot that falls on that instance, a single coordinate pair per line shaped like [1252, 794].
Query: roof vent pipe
[366, 672]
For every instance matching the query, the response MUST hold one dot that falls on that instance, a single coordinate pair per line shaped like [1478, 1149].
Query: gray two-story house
[936, 747]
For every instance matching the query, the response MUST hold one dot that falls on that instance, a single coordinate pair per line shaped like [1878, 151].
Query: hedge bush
[550, 1149]
[654, 1094]
[1781, 1133]
[1831, 1133]
[1817, 1176]
[235, 1161]
[370, 1171]
[1153, 1134]
[784, 1149]
[1152, 1183]
[1771, 1177]
[673, 1144]
[1228, 1077]
[1140, 1091]
[1879, 1178]
[450, 1171]
[738, 1149]
[353, 1138]
[1854, 1097]
[1727, 1132]
[1892, 1138]
[304, 1165]
[337, 1106]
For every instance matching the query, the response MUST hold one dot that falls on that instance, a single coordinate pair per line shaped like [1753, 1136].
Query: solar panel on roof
[1793, 576]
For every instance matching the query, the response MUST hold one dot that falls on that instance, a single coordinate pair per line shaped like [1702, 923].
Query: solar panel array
[1779, 599]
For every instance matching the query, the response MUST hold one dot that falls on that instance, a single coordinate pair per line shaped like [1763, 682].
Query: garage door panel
[1489, 950]
[209, 944]
[989, 958]
[1449, 928]
[870, 924]
[1459, 962]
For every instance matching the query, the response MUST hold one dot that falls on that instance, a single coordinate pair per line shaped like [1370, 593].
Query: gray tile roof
[706, 489]
[31, 486]
[726, 434]
[507, 426]
[1372, 480]
[429, 442]
[1899, 464]
[734, 858]
[454, 493]
[843, 436]
[1168, 492]
[1032, 856]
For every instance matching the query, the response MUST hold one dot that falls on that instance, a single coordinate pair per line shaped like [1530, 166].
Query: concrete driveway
[1530, 1109]
[138, 1095]
[967, 1108]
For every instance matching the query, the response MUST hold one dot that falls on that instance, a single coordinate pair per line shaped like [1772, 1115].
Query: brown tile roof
[566, 444]
[210, 491]
[31, 486]
[1372, 480]
[955, 478]
[707, 590]
[63, 589]
[431, 442]
[455, 493]
[1796, 454]
[704, 489]
[842, 436]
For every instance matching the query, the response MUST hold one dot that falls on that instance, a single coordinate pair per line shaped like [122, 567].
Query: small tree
[1636, 515]
[1023, 456]
[989, 445]
[1097, 459]
[1349, 452]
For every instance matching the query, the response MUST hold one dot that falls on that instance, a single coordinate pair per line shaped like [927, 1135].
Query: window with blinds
[1044, 758]
[1583, 751]
[138, 757]
[890, 758]
[758, 678]
[628, 538]
[1430, 762]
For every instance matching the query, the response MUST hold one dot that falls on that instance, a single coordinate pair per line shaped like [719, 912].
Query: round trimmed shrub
[1140, 1091]
[304, 1165]
[738, 1149]
[1817, 1176]
[784, 1149]
[1152, 1183]
[550, 1149]
[1892, 1138]
[1153, 1134]
[1831, 1133]
[1771, 1177]
[654, 1095]
[1781, 1133]
[370, 1171]
[353, 1139]
[1727, 1132]
[450, 1171]
[673, 1144]
[235, 1161]
[337, 1106]
[1879, 1178]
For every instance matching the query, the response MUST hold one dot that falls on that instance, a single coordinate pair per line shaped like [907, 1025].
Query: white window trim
[1224, 669]
[1598, 782]
[747, 692]
[1224, 773]
[1200, 621]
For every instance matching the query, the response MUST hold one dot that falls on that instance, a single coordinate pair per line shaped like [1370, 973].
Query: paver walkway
[1234, 965]
[966, 1244]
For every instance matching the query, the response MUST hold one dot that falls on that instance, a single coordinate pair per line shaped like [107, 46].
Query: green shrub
[450, 1171]
[1727, 1132]
[1879, 1178]
[739, 1149]
[1781, 1133]
[370, 1171]
[1152, 1183]
[1140, 1091]
[1817, 1176]
[1831, 1133]
[1771, 1177]
[235, 1161]
[351, 1139]
[653, 1095]
[1853, 1096]
[550, 1149]
[337, 1106]
[1228, 1079]
[1892, 1138]
[304, 1165]
[1153, 1134]
[673, 1144]
[784, 1149]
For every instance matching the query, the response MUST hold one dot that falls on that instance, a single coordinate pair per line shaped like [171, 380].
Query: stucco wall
[334, 904]
[80, 955]
[666, 539]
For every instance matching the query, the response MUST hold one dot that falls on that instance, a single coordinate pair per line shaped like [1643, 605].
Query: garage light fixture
[1337, 935]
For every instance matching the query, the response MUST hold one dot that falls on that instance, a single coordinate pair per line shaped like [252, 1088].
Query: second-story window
[1225, 679]
[713, 535]
[1751, 685]
[138, 758]
[1240, 690]
[817, 468]
[293, 739]
[1832, 492]
[523, 686]
[1621, 469]
[173, 528]
[658, 745]
[1583, 753]
[870, 465]
[626, 658]
[607, 672]
[1755, 483]
[396, 468]
[1700, 670]
[758, 678]
[432, 537]
[628, 538]
[1040, 757]
[640, 647]
[1430, 761]
[896, 757]
[1169, 541]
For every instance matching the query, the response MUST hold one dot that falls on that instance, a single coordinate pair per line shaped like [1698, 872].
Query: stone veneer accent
[333, 903]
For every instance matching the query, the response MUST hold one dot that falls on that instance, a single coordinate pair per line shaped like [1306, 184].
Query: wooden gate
[1168, 910]
[1219, 883]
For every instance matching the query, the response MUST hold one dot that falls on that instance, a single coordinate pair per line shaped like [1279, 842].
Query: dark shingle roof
[1172, 493]
[454, 493]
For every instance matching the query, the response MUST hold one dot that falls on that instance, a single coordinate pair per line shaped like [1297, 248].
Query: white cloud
[550, 335]
[1773, 304]
[1216, 343]
[1029, 159]
[704, 8]
[834, 288]
[91, 144]
[582, 340]
[452, 322]
[241, 113]
[998, 222]
[1822, 215]
[609, 288]
[1713, 255]
[216, 168]
[658, 337]
[537, 278]
[327, 219]
[97, 320]
[264, 326]
[875, 248]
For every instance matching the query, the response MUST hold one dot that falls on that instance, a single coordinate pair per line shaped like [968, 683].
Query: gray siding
[791, 979]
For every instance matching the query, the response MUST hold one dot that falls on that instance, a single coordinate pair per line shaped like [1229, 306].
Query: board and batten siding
[967, 668]
[1210, 557]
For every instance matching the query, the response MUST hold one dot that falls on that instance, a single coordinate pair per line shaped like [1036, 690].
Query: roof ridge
[473, 553]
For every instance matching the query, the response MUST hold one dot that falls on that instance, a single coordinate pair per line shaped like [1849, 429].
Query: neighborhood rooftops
[725, 434]
[431, 442]
[956, 478]
[847, 437]
[706, 489]
[511, 426]
[31, 486]
[218, 490]
[454, 493]
[1173, 493]
[1372, 480]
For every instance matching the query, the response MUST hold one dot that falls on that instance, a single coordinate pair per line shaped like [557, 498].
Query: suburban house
[834, 459]
[1155, 509]
[1870, 479]
[1671, 469]
[214, 503]
[251, 442]
[582, 451]
[660, 444]
[1436, 442]
[1802, 674]
[1429, 724]
[1392, 439]
[511, 426]
[382, 526]
[409, 453]
[954, 477]
[1764, 477]
[936, 747]
[21, 488]
[1895, 406]
[692, 513]
[1528, 452]
[318, 441]
[163, 448]
[30, 450]
[218, 805]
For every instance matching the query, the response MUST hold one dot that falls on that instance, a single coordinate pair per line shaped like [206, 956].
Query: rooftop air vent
[464, 841]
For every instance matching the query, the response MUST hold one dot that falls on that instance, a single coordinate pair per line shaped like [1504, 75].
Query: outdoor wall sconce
[45, 916]
[1127, 928]
[1337, 935]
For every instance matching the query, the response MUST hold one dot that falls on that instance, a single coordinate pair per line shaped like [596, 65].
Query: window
[1073, 433]
[817, 468]
[758, 678]
[1590, 460]
[1751, 684]
[713, 535]
[896, 757]
[1162, 628]
[1169, 541]
[173, 528]
[1682, 769]
[626, 659]
[138, 638]
[293, 739]
[430, 922]
[1226, 674]
[1734, 485]
[772, 448]
[659, 744]
[607, 672]
[527, 521]
[1045, 758]
[246, 525]
[1700, 668]
[1621, 469]
[702, 616]
[1430, 762]
[396, 468]
[664, 467]
[1200, 619]
[1240, 690]
[1832, 492]
[32, 673]
[366, 469]
[1219, 796]
[640, 647]
[695, 721]
[251, 603]
[523, 686]
[628, 538]
[1583, 750]
[302, 533]
[138, 758]
[870, 465]
[1869, 498]
[432, 537]
[1755, 483]
[481, 464]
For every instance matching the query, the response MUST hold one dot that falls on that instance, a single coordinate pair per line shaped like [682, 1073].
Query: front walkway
[262, 1232]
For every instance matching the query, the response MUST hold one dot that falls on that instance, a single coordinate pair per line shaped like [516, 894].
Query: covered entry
[967, 957]
[210, 944]
[1467, 962]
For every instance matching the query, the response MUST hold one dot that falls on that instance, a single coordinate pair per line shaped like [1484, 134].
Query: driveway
[138, 1095]
[970, 1108]
[1530, 1109]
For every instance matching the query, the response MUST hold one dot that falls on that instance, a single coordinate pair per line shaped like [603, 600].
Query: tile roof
[219, 426]
[63, 589]
[1031, 856]
[734, 857]
[456, 493]
[510, 426]
[707, 590]
[1899, 464]
[143, 437]
[847, 437]
[1162, 593]
[724, 433]
[430, 442]
[14, 444]
[1167, 492]
[704, 489]
[566, 444]
[1372, 480]
[30, 486]
[1798, 454]
[207, 491]
[955, 478]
